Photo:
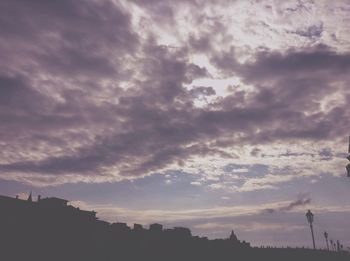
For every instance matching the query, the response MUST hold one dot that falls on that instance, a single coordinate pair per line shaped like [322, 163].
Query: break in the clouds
[243, 96]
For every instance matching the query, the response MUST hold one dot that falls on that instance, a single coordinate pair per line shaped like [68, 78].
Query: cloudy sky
[215, 115]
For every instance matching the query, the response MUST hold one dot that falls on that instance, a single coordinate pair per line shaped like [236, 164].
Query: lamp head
[309, 216]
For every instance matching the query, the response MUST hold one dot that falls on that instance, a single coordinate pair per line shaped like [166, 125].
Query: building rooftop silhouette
[51, 229]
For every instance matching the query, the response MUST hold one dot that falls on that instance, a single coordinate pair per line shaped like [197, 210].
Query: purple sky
[215, 115]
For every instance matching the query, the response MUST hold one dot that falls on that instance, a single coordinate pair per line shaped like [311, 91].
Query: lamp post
[326, 237]
[338, 245]
[310, 219]
[348, 157]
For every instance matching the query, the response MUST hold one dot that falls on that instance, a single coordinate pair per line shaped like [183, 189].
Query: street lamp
[331, 244]
[310, 219]
[348, 157]
[326, 237]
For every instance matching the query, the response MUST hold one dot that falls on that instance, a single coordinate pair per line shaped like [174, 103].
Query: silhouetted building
[53, 202]
[50, 229]
[156, 227]
[183, 232]
[122, 227]
[138, 227]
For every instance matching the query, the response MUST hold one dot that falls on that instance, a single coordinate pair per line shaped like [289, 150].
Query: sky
[213, 115]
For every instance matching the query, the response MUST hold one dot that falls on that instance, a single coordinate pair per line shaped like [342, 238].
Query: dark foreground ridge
[49, 229]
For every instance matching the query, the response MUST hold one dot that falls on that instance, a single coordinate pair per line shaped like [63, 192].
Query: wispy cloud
[251, 227]
[302, 201]
[146, 216]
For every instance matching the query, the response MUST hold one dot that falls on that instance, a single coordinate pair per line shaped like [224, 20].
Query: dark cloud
[290, 84]
[299, 202]
[16, 95]
[201, 43]
[326, 154]
[313, 31]
[202, 91]
[65, 37]
[320, 61]
[25, 110]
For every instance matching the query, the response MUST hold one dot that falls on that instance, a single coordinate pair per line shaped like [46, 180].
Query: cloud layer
[101, 91]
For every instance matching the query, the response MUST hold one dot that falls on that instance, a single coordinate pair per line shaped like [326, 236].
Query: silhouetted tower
[233, 237]
[310, 219]
[326, 237]
[30, 199]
